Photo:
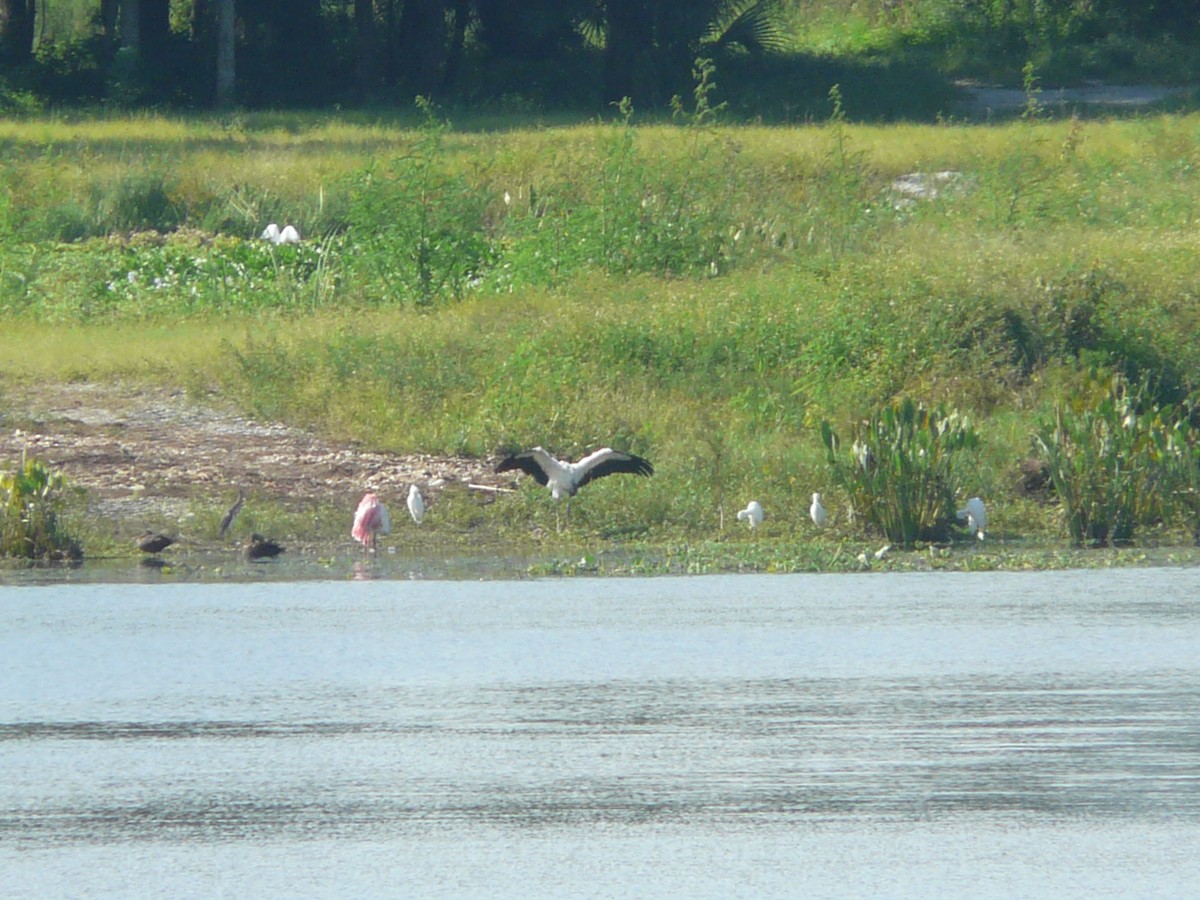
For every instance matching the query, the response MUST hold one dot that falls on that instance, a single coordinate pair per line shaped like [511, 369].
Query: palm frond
[752, 24]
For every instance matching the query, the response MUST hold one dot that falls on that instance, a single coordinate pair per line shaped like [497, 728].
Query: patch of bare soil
[148, 453]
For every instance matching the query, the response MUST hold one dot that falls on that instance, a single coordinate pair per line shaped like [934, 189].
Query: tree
[650, 44]
[422, 45]
[225, 52]
[17, 18]
[365, 46]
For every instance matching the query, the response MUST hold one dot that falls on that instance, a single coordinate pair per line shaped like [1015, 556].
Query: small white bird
[566, 478]
[753, 513]
[976, 517]
[817, 512]
[271, 233]
[416, 504]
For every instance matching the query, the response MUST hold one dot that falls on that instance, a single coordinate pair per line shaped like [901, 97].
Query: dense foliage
[778, 56]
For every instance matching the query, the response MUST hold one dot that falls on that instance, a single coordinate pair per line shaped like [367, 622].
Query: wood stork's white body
[416, 504]
[753, 514]
[564, 479]
[976, 515]
[817, 513]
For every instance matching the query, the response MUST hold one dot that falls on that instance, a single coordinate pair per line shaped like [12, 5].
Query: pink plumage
[370, 518]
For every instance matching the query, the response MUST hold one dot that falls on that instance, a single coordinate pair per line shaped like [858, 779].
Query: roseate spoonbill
[153, 542]
[416, 504]
[976, 516]
[566, 478]
[259, 547]
[227, 519]
[370, 519]
[817, 512]
[753, 513]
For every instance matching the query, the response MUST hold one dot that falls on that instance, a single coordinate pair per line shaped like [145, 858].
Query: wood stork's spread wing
[536, 462]
[610, 462]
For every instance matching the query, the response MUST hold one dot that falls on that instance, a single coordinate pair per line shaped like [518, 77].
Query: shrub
[421, 226]
[903, 472]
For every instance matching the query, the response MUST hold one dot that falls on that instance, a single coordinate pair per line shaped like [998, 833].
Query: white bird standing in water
[416, 504]
[976, 517]
[566, 478]
[753, 513]
[817, 512]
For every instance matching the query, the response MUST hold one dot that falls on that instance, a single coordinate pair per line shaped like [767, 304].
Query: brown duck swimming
[153, 542]
[259, 547]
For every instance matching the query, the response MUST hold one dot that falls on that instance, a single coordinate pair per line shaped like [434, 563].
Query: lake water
[902, 735]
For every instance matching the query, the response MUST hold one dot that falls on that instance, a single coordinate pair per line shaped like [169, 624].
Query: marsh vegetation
[702, 293]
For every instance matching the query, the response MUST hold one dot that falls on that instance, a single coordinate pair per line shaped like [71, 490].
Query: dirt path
[146, 453]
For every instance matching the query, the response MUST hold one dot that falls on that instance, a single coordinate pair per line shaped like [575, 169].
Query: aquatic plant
[1112, 456]
[903, 470]
[30, 525]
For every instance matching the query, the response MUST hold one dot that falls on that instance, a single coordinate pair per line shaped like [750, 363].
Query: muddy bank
[148, 454]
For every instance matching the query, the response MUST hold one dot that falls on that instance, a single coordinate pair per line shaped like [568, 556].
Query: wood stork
[259, 547]
[370, 519]
[416, 504]
[153, 542]
[975, 515]
[753, 513]
[817, 513]
[566, 478]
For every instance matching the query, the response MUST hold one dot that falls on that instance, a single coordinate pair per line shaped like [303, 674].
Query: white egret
[287, 235]
[370, 519]
[566, 478]
[976, 517]
[416, 504]
[753, 513]
[817, 512]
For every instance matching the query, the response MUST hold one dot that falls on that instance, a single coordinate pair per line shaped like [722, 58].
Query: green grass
[703, 295]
